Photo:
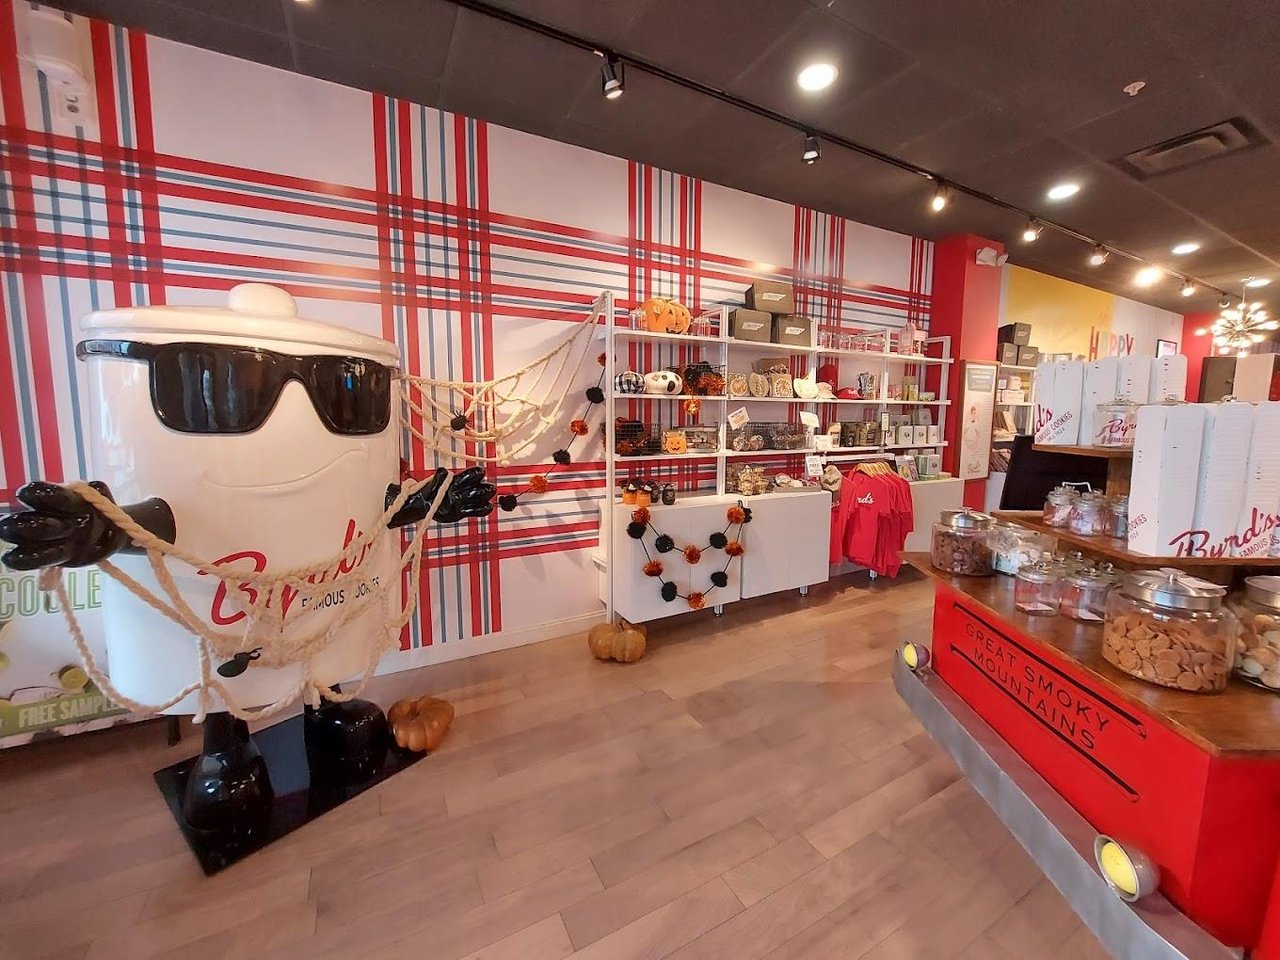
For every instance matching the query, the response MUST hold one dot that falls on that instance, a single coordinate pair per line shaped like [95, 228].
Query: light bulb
[1031, 232]
[1188, 288]
[939, 201]
[1147, 276]
[1098, 257]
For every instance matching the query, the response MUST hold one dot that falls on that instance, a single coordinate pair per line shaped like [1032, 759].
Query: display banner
[43, 688]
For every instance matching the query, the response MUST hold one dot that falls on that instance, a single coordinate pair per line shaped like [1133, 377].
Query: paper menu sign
[739, 418]
[1168, 379]
[1100, 385]
[1260, 508]
[809, 419]
[1166, 468]
[1133, 378]
[1228, 432]
[1060, 397]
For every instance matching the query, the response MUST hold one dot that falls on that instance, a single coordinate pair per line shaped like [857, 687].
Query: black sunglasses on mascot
[216, 388]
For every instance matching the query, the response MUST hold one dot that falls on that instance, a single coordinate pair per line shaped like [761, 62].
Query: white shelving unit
[722, 350]
[1021, 419]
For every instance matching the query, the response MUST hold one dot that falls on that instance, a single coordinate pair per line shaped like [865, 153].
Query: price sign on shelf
[813, 466]
[808, 418]
[739, 418]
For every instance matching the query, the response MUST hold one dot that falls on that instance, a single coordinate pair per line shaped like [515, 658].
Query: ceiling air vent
[1189, 149]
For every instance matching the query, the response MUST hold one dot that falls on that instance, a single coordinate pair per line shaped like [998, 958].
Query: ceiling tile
[379, 77]
[864, 62]
[411, 37]
[606, 23]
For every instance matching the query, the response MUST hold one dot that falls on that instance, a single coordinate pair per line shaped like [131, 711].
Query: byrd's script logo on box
[223, 613]
[1047, 426]
[1253, 541]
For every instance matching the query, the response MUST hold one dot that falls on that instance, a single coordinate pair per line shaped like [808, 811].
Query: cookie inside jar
[1172, 629]
[1257, 607]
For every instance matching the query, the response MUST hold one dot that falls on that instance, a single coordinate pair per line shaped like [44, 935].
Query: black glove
[62, 529]
[468, 496]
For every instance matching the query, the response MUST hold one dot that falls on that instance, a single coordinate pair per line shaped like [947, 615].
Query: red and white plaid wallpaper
[468, 244]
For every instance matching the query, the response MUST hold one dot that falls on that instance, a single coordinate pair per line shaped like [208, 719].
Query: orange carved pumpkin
[665, 316]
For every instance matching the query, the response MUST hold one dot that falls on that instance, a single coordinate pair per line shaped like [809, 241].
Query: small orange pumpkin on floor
[621, 641]
[419, 725]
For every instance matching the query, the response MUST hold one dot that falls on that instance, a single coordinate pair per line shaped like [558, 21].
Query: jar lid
[1091, 578]
[1120, 403]
[1264, 590]
[1039, 573]
[966, 519]
[1173, 589]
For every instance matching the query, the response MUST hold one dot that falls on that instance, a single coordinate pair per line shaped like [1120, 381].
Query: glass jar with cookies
[1258, 651]
[1172, 629]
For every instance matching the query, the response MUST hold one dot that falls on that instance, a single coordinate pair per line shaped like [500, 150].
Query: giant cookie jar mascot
[254, 440]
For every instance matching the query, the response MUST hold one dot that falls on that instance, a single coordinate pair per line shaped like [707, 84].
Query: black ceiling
[1007, 96]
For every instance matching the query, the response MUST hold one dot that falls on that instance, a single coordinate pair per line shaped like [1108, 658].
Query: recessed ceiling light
[1182, 249]
[1256, 281]
[817, 76]
[1147, 276]
[1063, 191]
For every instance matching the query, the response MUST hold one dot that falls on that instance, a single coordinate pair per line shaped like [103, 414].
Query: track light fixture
[1188, 288]
[611, 84]
[941, 196]
[812, 151]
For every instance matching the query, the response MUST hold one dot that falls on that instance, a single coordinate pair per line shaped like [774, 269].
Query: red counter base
[1208, 818]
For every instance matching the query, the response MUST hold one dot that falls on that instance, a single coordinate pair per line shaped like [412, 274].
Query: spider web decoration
[508, 413]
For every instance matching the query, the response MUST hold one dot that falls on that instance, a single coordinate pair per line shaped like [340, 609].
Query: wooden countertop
[1117, 550]
[1242, 720]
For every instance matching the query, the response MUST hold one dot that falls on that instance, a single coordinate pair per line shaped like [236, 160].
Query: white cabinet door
[638, 598]
[788, 542]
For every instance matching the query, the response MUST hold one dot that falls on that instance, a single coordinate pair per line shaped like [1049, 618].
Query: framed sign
[1166, 348]
[976, 411]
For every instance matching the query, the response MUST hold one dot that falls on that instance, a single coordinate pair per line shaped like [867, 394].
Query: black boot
[228, 793]
[346, 740]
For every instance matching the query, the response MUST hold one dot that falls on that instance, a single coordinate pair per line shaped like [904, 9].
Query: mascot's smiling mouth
[233, 482]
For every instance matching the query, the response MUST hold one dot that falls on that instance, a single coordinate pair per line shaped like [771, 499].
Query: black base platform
[300, 795]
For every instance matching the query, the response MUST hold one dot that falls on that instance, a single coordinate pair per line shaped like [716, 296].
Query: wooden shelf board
[1106, 453]
[1117, 551]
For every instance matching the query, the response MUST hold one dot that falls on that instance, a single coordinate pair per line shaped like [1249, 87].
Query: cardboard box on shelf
[1166, 468]
[933, 434]
[1059, 387]
[1028, 356]
[1016, 333]
[1255, 533]
[793, 330]
[920, 434]
[1133, 378]
[935, 463]
[1099, 387]
[1168, 379]
[1228, 431]
[771, 296]
[747, 324]
[1007, 353]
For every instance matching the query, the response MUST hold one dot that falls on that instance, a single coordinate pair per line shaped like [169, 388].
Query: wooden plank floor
[752, 789]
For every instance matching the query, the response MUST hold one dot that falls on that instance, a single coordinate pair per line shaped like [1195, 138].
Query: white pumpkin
[663, 383]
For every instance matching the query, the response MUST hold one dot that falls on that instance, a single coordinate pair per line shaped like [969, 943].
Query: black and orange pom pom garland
[641, 523]
[577, 428]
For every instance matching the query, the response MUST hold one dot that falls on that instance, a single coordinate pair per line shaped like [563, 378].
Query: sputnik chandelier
[1238, 328]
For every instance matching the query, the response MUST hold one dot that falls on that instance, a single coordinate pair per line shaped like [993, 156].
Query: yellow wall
[1065, 317]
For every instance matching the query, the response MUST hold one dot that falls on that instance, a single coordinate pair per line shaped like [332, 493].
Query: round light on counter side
[914, 655]
[1129, 873]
